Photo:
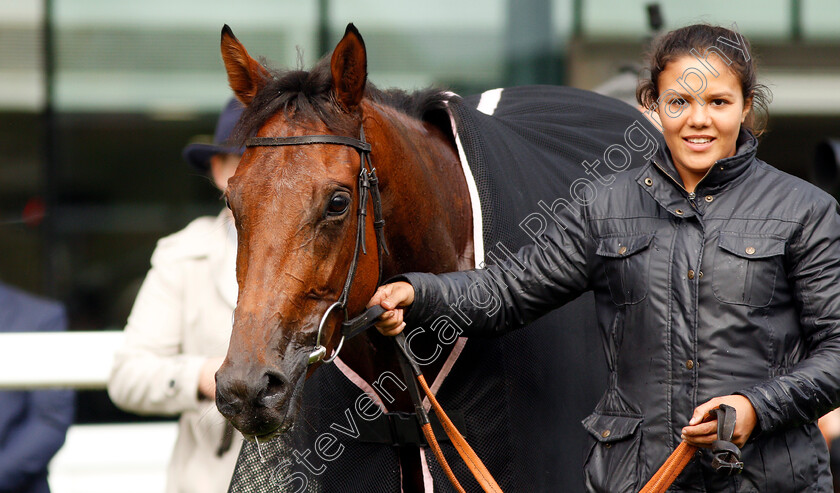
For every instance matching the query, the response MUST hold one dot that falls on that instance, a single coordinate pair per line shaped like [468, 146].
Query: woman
[716, 278]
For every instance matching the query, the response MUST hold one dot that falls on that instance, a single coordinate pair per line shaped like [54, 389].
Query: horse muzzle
[258, 402]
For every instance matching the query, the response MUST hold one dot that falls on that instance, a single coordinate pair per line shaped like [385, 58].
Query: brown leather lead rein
[476, 467]
[727, 456]
[415, 381]
[672, 468]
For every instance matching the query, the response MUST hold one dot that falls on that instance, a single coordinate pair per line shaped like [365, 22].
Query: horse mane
[306, 97]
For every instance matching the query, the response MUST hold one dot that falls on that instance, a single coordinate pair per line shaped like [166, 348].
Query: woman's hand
[702, 429]
[207, 377]
[393, 297]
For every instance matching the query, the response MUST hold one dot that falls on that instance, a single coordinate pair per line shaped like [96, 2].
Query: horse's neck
[428, 223]
[428, 211]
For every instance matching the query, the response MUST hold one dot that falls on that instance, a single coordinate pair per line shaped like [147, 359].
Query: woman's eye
[338, 204]
[719, 102]
[676, 105]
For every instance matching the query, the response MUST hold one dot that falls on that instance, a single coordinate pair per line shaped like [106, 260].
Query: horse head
[296, 207]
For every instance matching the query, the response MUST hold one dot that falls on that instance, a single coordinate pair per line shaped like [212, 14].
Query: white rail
[80, 360]
[98, 458]
[124, 458]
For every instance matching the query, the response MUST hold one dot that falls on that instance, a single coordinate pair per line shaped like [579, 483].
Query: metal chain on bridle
[368, 184]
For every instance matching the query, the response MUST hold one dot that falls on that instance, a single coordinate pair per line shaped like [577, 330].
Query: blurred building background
[98, 97]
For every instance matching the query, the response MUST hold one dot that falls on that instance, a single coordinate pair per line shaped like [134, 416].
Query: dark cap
[198, 154]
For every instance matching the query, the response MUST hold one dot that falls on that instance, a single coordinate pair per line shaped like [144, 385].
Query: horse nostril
[274, 387]
[228, 404]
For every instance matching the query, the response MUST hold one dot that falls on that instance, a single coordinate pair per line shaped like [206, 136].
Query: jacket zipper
[691, 195]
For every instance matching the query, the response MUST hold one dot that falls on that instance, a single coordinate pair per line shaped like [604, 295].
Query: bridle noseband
[368, 184]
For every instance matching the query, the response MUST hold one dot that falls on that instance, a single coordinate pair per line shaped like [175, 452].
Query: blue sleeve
[32, 444]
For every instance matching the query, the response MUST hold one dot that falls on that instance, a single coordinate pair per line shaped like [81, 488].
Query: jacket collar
[723, 174]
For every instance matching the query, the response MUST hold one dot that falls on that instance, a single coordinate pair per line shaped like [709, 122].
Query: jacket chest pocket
[746, 268]
[626, 261]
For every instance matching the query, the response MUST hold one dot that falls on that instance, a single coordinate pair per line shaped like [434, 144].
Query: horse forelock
[306, 97]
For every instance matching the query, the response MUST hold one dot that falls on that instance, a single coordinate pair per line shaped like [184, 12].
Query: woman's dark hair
[706, 41]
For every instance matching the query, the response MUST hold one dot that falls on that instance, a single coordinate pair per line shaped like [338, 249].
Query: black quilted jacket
[732, 289]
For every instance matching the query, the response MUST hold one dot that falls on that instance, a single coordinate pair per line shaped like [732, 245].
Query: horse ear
[349, 68]
[245, 75]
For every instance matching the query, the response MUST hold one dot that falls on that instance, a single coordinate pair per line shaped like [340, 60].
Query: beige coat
[181, 316]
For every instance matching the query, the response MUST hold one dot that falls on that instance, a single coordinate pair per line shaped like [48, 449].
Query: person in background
[179, 328]
[33, 424]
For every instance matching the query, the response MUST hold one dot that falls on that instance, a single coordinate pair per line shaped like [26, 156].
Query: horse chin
[266, 424]
[282, 428]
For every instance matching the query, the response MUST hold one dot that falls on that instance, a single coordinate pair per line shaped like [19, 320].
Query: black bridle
[368, 184]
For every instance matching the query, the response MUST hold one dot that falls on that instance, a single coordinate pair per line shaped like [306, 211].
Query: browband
[308, 139]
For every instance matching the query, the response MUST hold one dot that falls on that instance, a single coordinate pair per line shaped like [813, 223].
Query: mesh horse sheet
[521, 396]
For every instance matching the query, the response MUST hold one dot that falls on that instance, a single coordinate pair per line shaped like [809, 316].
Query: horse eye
[338, 204]
[227, 202]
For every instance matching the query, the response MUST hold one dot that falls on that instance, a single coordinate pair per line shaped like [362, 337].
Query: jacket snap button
[700, 274]
[605, 433]
[690, 274]
[709, 198]
[689, 364]
[622, 250]
[750, 250]
[648, 182]
[679, 212]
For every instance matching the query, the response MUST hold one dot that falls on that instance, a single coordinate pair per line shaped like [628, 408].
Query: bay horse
[291, 207]
[302, 215]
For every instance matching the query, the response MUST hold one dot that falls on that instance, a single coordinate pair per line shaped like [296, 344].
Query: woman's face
[222, 167]
[700, 129]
